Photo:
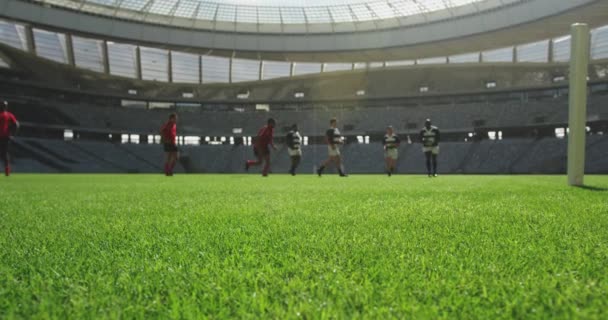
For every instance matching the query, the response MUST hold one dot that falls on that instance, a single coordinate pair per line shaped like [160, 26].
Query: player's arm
[271, 139]
[15, 124]
[437, 138]
[162, 133]
[422, 136]
[384, 143]
[397, 141]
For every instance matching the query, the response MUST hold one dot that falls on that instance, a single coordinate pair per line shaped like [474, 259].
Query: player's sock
[320, 170]
[7, 170]
[166, 169]
[435, 165]
[266, 169]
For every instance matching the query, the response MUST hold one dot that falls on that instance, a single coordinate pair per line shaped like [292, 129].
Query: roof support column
[230, 70]
[138, 63]
[170, 65]
[550, 51]
[105, 58]
[514, 54]
[292, 68]
[69, 45]
[200, 69]
[30, 43]
[261, 70]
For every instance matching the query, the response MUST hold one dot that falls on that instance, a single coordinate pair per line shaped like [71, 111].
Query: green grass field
[241, 246]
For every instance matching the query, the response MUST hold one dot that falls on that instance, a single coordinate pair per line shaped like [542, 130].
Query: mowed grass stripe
[242, 246]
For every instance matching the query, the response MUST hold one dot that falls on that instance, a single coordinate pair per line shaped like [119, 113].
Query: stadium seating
[511, 156]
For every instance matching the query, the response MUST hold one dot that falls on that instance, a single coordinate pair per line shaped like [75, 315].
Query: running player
[260, 148]
[8, 124]
[429, 136]
[334, 140]
[391, 144]
[294, 140]
[168, 134]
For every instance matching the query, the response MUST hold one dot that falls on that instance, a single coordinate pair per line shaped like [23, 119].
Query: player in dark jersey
[8, 125]
[294, 141]
[429, 136]
[168, 134]
[391, 143]
[334, 141]
[261, 149]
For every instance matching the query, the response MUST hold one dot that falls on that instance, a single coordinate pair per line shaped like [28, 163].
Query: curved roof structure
[363, 32]
[275, 16]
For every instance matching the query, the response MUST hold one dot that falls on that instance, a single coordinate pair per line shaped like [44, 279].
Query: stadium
[304, 159]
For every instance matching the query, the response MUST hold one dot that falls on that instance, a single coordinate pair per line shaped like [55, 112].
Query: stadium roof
[262, 29]
[266, 11]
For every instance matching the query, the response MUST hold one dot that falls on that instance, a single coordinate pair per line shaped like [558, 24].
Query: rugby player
[294, 141]
[334, 140]
[391, 144]
[429, 136]
[168, 134]
[260, 148]
[8, 125]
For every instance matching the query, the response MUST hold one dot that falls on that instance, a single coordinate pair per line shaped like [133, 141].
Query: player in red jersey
[168, 134]
[260, 148]
[8, 124]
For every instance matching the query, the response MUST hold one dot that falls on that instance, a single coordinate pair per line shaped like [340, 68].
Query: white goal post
[577, 118]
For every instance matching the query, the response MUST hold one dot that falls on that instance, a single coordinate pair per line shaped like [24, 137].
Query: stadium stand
[106, 115]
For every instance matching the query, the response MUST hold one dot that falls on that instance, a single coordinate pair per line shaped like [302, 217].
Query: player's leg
[338, 162]
[266, 159]
[167, 162]
[391, 167]
[387, 165]
[173, 162]
[434, 160]
[253, 163]
[4, 156]
[427, 154]
[325, 163]
[295, 162]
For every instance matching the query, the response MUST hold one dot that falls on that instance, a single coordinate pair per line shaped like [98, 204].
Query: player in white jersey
[391, 143]
[429, 136]
[334, 141]
[294, 141]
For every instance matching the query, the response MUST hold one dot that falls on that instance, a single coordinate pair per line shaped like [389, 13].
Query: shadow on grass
[592, 188]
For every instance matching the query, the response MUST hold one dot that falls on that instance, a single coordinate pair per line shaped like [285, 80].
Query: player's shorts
[4, 145]
[294, 152]
[391, 153]
[333, 152]
[170, 147]
[261, 152]
[433, 150]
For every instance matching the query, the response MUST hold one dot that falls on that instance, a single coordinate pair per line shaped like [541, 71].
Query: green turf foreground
[241, 246]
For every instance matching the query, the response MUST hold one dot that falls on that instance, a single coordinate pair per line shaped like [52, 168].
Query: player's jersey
[430, 137]
[391, 142]
[333, 136]
[294, 140]
[7, 120]
[169, 132]
[265, 136]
